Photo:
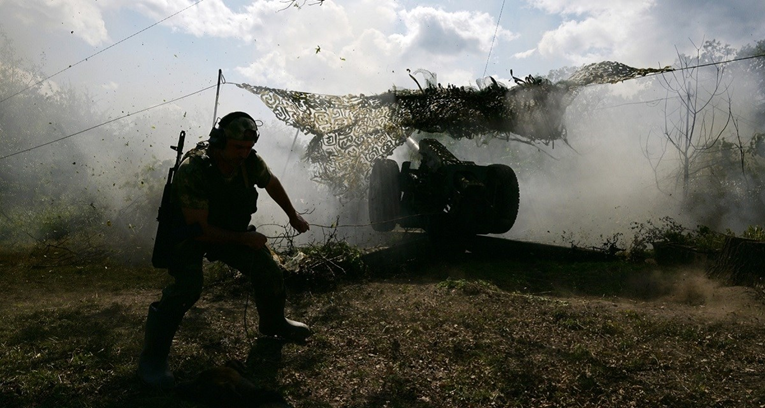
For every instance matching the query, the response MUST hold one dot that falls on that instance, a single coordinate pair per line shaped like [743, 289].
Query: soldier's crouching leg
[163, 320]
[270, 296]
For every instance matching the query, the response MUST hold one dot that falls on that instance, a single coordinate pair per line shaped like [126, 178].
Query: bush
[668, 230]
[755, 232]
[323, 266]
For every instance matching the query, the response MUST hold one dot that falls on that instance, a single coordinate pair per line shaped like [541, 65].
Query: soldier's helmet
[239, 126]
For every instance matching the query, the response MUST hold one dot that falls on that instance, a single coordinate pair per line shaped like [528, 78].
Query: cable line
[723, 62]
[709, 64]
[655, 101]
[99, 52]
[105, 123]
[493, 37]
[636, 103]
[232, 83]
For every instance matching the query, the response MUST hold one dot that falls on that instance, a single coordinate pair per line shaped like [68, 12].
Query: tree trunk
[741, 262]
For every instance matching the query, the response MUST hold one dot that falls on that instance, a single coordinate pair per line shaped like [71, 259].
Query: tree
[300, 3]
[713, 119]
[754, 70]
[697, 112]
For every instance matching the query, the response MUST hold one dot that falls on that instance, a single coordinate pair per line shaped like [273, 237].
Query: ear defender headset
[218, 136]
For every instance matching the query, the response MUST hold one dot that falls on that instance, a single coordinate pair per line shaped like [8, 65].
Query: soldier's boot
[152, 364]
[272, 321]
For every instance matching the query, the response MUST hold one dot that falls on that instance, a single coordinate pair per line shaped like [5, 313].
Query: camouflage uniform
[230, 201]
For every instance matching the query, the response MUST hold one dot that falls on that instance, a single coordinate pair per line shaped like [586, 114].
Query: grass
[446, 331]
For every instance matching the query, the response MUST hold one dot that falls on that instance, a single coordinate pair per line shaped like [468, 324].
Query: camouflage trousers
[258, 266]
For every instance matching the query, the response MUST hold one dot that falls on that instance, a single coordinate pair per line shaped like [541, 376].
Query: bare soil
[455, 329]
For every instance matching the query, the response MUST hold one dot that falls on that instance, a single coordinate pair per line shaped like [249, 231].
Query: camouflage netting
[350, 131]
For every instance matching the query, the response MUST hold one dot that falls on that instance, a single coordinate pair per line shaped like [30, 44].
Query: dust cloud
[608, 177]
[689, 292]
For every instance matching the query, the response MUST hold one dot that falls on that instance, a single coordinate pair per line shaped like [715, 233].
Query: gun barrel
[413, 144]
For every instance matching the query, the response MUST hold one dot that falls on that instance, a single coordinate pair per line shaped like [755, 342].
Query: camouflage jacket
[198, 184]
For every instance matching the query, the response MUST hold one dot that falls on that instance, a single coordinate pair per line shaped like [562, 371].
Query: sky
[130, 55]
[350, 46]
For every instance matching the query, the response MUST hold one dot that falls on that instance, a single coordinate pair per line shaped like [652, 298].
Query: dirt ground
[444, 331]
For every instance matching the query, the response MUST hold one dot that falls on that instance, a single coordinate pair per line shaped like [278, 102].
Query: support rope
[104, 123]
[493, 38]
[99, 52]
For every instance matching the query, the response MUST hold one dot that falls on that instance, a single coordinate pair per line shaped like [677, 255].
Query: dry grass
[452, 332]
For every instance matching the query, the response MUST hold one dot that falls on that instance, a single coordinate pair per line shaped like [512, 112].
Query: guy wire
[333, 227]
[493, 38]
[708, 64]
[104, 123]
[99, 52]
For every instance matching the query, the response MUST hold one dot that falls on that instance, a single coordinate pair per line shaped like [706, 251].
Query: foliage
[728, 179]
[135, 217]
[667, 230]
[755, 232]
[755, 69]
[66, 198]
[48, 192]
[710, 143]
[321, 266]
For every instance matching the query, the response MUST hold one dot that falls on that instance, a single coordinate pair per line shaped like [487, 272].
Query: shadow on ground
[520, 267]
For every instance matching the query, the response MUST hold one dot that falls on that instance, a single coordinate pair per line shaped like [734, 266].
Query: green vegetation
[669, 231]
[88, 198]
[754, 232]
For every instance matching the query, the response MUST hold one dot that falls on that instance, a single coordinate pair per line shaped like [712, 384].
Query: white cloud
[110, 86]
[644, 32]
[437, 32]
[364, 54]
[271, 70]
[581, 7]
[80, 18]
[209, 18]
[525, 54]
[284, 51]
[593, 31]
[365, 44]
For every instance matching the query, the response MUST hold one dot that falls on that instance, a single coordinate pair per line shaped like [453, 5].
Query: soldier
[214, 196]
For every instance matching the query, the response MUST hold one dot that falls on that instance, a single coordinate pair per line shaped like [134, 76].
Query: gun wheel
[384, 195]
[504, 195]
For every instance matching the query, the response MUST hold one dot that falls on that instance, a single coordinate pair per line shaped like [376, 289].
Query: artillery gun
[443, 195]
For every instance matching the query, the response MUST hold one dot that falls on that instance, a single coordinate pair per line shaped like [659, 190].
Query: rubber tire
[504, 194]
[384, 195]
